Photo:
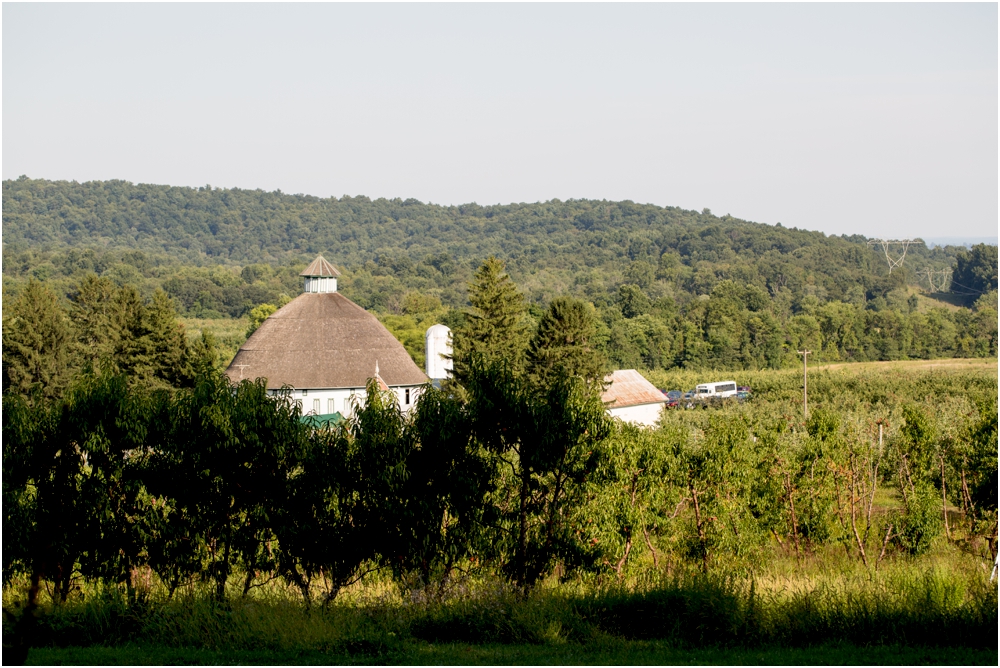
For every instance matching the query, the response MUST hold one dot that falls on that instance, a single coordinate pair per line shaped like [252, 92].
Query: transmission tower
[886, 244]
[944, 274]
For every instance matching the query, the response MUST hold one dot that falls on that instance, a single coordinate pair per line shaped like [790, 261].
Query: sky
[875, 119]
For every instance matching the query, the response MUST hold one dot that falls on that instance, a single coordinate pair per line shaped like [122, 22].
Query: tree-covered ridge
[671, 288]
[555, 241]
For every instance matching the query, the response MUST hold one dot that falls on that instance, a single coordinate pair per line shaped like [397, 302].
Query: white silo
[438, 352]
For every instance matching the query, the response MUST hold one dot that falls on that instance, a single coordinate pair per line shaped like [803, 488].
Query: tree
[224, 458]
[564, 341]
[444, 498]
[92, 310]
[117, 329]
[495, 328]
[258, 315]
[544, 441]
[975, 271]
[633, 300]
[38, 350]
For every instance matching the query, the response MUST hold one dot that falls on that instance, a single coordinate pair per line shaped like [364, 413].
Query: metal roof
[320, 267]
[627, 387]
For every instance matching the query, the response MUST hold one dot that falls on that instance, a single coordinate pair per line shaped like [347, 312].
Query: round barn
[326, 348]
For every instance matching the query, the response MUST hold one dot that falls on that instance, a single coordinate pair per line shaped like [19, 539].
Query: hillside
[550, 247]
[671, 287]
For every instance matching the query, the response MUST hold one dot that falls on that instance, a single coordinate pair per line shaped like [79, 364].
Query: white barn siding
[342, 399]
[643, 414]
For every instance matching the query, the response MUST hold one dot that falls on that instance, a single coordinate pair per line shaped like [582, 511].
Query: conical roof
[323, 340]
[320, 267]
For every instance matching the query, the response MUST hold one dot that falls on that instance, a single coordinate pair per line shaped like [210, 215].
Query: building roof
[320, 267]
[323, 340]
[627, 387]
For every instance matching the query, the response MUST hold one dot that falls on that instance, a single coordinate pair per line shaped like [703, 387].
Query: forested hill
[669, 287]
[579, 246]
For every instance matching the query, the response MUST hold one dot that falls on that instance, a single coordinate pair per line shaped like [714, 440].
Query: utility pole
[805, 383]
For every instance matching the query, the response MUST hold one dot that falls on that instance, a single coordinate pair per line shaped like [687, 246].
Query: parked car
[688, 399]
[743, 393]
[673, 397]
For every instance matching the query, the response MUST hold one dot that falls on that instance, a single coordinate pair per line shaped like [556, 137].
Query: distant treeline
[670, 287]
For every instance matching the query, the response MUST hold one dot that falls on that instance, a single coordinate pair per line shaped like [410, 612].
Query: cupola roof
[320, 267]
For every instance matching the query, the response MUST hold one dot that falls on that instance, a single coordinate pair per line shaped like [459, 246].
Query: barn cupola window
[320, 276]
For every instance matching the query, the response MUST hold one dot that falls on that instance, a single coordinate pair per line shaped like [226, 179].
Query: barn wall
[341, 398]
[644, 414]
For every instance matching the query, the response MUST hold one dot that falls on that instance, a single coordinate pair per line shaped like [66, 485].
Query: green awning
[318, 421]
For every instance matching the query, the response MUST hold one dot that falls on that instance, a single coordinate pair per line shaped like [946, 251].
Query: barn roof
[627, 387]
[323, 340]
[320, 267]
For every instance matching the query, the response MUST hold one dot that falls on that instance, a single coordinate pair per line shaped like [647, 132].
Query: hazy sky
[845, 118]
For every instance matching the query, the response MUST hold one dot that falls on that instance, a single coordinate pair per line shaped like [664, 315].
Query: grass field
[622, 653]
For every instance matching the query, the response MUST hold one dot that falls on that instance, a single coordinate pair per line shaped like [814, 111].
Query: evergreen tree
[496, 327]
[564, 341]
[165, 344]
[117, 329]
[38, 355]
[93, 313]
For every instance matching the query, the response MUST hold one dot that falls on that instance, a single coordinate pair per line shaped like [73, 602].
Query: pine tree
[564, 340]
[38, 346]
[93, 314]
[165, 343]
[119, 331]
[496, 327]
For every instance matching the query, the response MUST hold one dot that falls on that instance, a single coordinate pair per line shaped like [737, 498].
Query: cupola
[320, 276]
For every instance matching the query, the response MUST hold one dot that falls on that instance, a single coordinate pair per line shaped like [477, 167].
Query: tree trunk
[649, 544]
[621, 562]
[702, 538]
[24, 628]
[795, 523]
[854, 523]
[522, 532]
[944, 502]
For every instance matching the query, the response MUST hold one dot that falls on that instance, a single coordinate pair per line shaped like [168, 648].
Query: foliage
[671, 288]
[38, 348]
[975, 270]
[564, 343]
[495, 329]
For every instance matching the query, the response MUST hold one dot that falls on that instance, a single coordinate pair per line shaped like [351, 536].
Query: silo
[438, 347]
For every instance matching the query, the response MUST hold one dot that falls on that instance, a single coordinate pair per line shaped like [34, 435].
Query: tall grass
[910, 603]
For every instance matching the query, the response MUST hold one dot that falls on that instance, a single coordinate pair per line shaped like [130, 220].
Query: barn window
[407, 397]
[316, 406]
[331, 406]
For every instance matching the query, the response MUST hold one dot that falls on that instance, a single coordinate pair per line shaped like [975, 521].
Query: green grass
[912, 604]
[606, 653]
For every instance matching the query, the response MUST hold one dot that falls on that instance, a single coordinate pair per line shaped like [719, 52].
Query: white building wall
[643, 414]
[438, 345]
[320, 284]
[342, 400]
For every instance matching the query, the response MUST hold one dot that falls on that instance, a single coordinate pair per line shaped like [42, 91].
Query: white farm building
[326, 348]
[632, 398]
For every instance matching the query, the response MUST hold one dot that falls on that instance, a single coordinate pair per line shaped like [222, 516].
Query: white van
[721, 390]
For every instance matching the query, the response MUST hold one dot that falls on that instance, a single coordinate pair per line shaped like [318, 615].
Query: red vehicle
[673, 397]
